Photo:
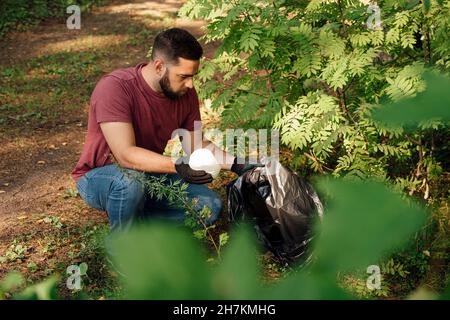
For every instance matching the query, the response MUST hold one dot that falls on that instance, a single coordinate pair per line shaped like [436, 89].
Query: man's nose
[190, 83]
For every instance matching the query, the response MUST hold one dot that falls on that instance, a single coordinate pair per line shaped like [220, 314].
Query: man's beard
[164, 83]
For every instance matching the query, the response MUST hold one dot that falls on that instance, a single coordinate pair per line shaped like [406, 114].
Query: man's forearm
[145, 160]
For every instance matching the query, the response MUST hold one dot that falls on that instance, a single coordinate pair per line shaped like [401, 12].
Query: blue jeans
[108, 189]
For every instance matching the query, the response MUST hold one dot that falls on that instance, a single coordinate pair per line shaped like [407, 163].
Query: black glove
[190, 175]
[242, 167]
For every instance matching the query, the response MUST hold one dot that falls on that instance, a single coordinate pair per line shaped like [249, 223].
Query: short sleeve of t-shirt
[111, 102]
[194, 113]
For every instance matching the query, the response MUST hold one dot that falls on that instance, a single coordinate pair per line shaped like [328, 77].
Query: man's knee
[133, 189]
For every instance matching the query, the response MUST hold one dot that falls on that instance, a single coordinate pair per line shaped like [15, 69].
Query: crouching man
[132, 115]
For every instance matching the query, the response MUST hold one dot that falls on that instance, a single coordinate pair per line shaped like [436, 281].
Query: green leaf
[83, 268]
[223, 239]
[11, 281]
[45, 290]
[32, 267]
[365, 220]
[161, 261]
[237, 276]
[426, 5]
[304, 286]
[434, 102]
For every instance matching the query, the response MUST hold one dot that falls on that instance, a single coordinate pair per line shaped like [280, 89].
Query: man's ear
[160, 67]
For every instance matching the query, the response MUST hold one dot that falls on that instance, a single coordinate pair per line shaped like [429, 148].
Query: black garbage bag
[281, 205]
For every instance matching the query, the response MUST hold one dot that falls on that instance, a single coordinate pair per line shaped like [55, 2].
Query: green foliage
[358, 286]
[161, 187]
[391, 270]
[16, 251]
[171, 260]
[54, 221]
[162, 262]
[428, 105]
[392, 215]
[12, 281]
[316, 72]
[45, 290]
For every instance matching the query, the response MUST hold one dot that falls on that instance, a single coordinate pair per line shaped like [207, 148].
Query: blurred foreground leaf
[45, 290]
[364, 221]
[238, 275]
[308, 286]
[11, 281]
[433, 103]
[162, 262]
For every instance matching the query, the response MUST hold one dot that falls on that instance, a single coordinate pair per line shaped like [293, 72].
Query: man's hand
[240, 166]
[190, 175]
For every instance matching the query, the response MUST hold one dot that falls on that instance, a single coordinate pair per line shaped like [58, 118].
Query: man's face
[178, 79]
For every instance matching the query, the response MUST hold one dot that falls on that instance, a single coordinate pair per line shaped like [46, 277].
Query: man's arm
[121, 140]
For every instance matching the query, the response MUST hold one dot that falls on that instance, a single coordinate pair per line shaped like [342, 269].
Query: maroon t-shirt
[124, 96]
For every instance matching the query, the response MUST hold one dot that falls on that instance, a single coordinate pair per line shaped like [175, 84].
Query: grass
[44, 90]
[52, 252]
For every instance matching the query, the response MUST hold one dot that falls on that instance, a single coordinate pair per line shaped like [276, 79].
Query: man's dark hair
[176, 43]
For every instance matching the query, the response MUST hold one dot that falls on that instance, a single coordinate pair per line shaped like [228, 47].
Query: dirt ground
[37, 156]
